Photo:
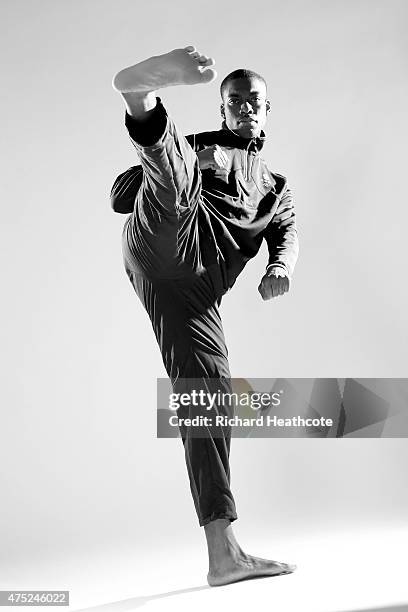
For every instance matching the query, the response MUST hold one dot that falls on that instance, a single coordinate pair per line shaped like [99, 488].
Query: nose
[245, 108]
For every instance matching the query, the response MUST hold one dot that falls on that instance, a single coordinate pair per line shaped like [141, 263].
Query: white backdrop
[81, 467]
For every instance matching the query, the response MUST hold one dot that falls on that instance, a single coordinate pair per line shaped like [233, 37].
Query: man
[200, 209]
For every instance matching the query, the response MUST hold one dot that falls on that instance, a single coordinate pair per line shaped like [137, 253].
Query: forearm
[282, 237]
[283, 245]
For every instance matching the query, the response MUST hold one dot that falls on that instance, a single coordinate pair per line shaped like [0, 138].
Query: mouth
[247, 120]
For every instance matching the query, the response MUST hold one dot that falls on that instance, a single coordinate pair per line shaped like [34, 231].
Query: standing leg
[191, 341]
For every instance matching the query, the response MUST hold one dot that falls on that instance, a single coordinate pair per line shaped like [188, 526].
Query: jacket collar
[232, 139]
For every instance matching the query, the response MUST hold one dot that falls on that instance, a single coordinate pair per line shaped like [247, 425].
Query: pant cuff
[149, 132]
[231, 516]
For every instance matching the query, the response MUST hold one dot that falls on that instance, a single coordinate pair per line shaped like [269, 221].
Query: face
[245, 106]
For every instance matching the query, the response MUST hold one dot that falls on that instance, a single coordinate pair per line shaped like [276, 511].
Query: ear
[222, 109]
[268, 106]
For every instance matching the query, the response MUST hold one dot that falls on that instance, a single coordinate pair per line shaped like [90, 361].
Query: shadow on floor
[137, 602]
[397, 608]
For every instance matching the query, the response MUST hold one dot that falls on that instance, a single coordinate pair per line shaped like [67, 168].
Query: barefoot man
[200, 208]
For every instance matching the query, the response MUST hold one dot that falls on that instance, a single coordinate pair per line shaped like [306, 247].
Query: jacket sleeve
[125, 188]
[281, 235]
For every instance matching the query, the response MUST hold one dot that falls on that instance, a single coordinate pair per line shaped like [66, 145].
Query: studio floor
[346, 571]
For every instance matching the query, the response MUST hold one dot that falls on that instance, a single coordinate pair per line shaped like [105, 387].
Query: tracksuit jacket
[239, 207]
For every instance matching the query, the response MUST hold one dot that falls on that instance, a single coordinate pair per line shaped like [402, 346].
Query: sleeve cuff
[271, 266]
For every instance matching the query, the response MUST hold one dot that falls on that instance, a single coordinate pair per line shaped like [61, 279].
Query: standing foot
[178, 67]
[245, 567]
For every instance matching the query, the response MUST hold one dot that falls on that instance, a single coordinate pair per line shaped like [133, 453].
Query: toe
[208, 75]
[206, 61]
[190, 49]
[288, 567]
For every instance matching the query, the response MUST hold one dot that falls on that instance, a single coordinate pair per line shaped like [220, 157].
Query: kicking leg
[172, 182]
[158, 234]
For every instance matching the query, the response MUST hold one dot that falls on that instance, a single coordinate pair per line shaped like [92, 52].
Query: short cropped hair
[241, 73]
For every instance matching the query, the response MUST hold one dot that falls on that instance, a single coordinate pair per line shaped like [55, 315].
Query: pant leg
[166, 203]
[169, 163]
[181, 300]
[189, 332]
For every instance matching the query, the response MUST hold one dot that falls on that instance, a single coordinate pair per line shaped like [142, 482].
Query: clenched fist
[275, 282]
[212, 157]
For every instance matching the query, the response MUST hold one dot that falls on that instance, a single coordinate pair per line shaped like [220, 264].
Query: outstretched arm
[282, 239]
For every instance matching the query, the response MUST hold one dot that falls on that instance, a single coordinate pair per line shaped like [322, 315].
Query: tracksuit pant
[163, 254]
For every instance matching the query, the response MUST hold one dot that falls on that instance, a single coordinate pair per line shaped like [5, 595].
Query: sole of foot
[253, 568]
[178, 67]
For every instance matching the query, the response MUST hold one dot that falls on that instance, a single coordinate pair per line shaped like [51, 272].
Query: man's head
[244, 104]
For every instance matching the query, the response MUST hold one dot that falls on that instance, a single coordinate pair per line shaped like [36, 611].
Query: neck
[259, 135]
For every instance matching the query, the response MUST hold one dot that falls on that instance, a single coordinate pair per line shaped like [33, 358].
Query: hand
[212, 157]
[275, 282]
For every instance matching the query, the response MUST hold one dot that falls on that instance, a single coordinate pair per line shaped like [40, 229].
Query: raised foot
[178, 67]
[245, 568]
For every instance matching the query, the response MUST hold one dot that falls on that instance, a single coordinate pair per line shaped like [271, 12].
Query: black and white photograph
[205, 308]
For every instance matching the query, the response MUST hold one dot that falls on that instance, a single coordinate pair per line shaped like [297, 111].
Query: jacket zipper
[247, 162]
